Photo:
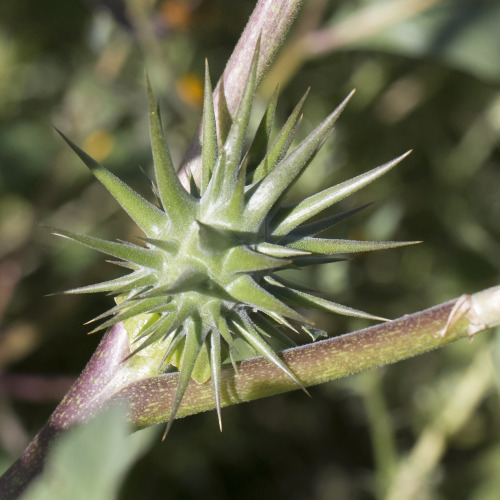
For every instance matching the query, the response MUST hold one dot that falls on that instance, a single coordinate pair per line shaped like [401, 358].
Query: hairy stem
[321, 361]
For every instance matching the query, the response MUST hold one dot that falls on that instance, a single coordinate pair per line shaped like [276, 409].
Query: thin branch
[411, 477]
[150, 400]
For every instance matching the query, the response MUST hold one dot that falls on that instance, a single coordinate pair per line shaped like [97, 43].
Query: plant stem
[321, 361]
[411, 478]
[80, 401]
[108, 380]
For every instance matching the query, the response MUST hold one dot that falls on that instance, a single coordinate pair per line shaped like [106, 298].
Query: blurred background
[427, 74]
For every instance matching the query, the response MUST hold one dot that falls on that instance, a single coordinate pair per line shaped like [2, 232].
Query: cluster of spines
[242, 226]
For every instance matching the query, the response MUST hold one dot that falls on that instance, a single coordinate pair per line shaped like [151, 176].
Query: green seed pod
[204, 287]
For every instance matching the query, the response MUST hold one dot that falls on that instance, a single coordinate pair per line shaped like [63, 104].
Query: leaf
[132, 253]
[304, 299]
[260, 143]
[246, 290]
[90, 462]
[130, 310]
[209, 139]
[251, 335]
[242, 259]
[174, 198]
[169, 245]
[278, 250]
[226, 172]
[124, 283]
[322, 225]
[202, 368]
[318, 202]
[314, 333]
[215, 366]
[327, 246]
[148, 217]
[286, 171]
[280, 145]
[462, 34]
[264, 326]
[189, 356]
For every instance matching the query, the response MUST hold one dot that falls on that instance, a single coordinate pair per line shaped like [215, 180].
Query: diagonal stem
[321, 361]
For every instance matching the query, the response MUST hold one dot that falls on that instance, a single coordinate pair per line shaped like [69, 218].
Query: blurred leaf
[463, 35]
[89, 462]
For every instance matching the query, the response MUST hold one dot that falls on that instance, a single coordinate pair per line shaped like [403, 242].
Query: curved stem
[321, 361]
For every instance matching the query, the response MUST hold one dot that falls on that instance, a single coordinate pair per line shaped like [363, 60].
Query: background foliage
[427, 77]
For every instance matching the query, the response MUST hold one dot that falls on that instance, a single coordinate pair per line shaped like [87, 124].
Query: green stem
[411, 478]
[381, 429]
[321, 361]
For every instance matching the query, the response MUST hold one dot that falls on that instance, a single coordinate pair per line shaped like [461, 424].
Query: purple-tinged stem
[84, 397]
[319, 362]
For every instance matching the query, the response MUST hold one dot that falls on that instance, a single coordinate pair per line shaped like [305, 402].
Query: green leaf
[303, 299]
[128, 252]
[233, 209]
[285, 172]
[281, 143]
[167, 327]
[159, 328]
[215, 366]
[246, 290]
[215, 186]
[214, 238]
[221, 325]
[322, 225]
[209, 138]
[202, 369]
[326, 246]
[314, 333]
[226, 172]
[313, 260]
[242, 259]
[278, 250]
[189, 356]
[169, 245]
[132, 280]
[90, 461]
[316, 203]
[260, 143]
[175, 200]
[264, 326]
[148, 217]
[251, 335]
[131, 309]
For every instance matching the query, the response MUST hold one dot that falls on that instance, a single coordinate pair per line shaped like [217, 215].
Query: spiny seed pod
[206, 275]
